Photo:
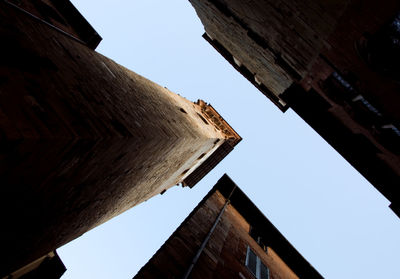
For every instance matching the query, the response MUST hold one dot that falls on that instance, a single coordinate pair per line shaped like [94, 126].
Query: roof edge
[232, 138]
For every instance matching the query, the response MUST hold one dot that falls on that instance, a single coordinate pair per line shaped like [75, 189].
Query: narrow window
[201, 156]
[256, 267]
[185, 171]
[251, 261]
[202, 118]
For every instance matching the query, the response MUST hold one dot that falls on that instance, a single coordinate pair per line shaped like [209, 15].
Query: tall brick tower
[82, 138]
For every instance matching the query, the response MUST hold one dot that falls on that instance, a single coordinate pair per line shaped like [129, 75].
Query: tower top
[219, 122]
[232, 138]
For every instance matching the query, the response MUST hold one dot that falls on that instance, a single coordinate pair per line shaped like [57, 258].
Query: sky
[330, 213]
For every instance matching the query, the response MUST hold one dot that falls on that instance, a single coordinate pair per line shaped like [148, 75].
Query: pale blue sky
[329, 212]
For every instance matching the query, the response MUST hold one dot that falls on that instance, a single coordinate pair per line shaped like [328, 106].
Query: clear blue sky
[325, 208]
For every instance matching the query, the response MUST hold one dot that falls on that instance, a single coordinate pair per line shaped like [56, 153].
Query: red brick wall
[225, 253]
[277, 41]
[293, 47]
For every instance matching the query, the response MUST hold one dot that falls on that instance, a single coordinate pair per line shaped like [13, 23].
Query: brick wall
[276, 41]
[62, 15]
[225, 253]
[82, 138]
[335, 63]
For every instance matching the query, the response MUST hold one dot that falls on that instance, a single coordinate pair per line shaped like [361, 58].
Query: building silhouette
[335, 63]
[49, 266]
[226, 236]
[82, 138]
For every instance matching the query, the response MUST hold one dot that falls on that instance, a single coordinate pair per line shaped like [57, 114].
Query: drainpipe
[205, 241]
[44, 22]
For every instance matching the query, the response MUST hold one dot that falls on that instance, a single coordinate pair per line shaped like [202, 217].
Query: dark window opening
[340, 89]
[202, 118]
[201, 156]
[185, 171]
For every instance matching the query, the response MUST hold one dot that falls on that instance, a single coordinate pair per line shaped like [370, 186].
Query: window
[256, 267]
[202, 118]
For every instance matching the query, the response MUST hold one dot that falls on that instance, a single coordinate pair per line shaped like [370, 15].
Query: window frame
[259, 264]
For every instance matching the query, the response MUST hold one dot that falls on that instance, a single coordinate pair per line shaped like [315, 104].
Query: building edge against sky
[335, 64]
[50, 266]
[227, 235]
[83, 138]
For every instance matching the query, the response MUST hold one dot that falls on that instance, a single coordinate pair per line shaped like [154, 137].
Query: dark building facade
[226, 236]
[335, 63]
[49, 266]
[82, 139]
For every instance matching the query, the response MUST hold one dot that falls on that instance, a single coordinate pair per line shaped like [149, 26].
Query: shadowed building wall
[335, 63]
[231, 239]
[49, 266]
[82, 138]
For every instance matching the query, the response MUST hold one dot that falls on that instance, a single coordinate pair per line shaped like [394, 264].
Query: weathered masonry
[335, 63]
[226, 236]
[82, 139]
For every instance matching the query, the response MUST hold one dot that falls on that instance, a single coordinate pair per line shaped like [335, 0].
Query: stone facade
[335, 63]
[225, 250]
[83, 139]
